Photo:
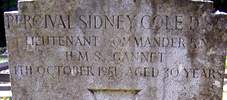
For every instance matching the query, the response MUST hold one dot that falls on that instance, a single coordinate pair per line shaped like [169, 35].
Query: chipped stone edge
[206, 1]
[26, 1]
[217, 13]
[10, 12]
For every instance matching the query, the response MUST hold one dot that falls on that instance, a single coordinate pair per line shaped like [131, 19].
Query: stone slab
[116, 50]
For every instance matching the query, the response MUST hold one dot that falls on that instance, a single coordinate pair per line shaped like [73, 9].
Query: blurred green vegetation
[2, 50]
[5, 98]
[6, 4]
[3, 60]
[225, 62]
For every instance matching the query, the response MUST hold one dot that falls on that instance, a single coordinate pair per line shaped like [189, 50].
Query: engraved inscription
[118, 22]
[116, 72]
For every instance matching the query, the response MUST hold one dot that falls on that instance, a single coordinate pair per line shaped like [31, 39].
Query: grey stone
[116, 50]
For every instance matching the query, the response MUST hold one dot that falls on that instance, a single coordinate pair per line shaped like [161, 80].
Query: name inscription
[110, 22]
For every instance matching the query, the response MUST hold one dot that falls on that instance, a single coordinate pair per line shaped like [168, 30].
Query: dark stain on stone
[134, 1]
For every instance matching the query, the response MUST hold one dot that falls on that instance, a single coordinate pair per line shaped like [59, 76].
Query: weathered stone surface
[116, 50]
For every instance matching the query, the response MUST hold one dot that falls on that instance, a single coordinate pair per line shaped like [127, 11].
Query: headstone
[116, 50]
